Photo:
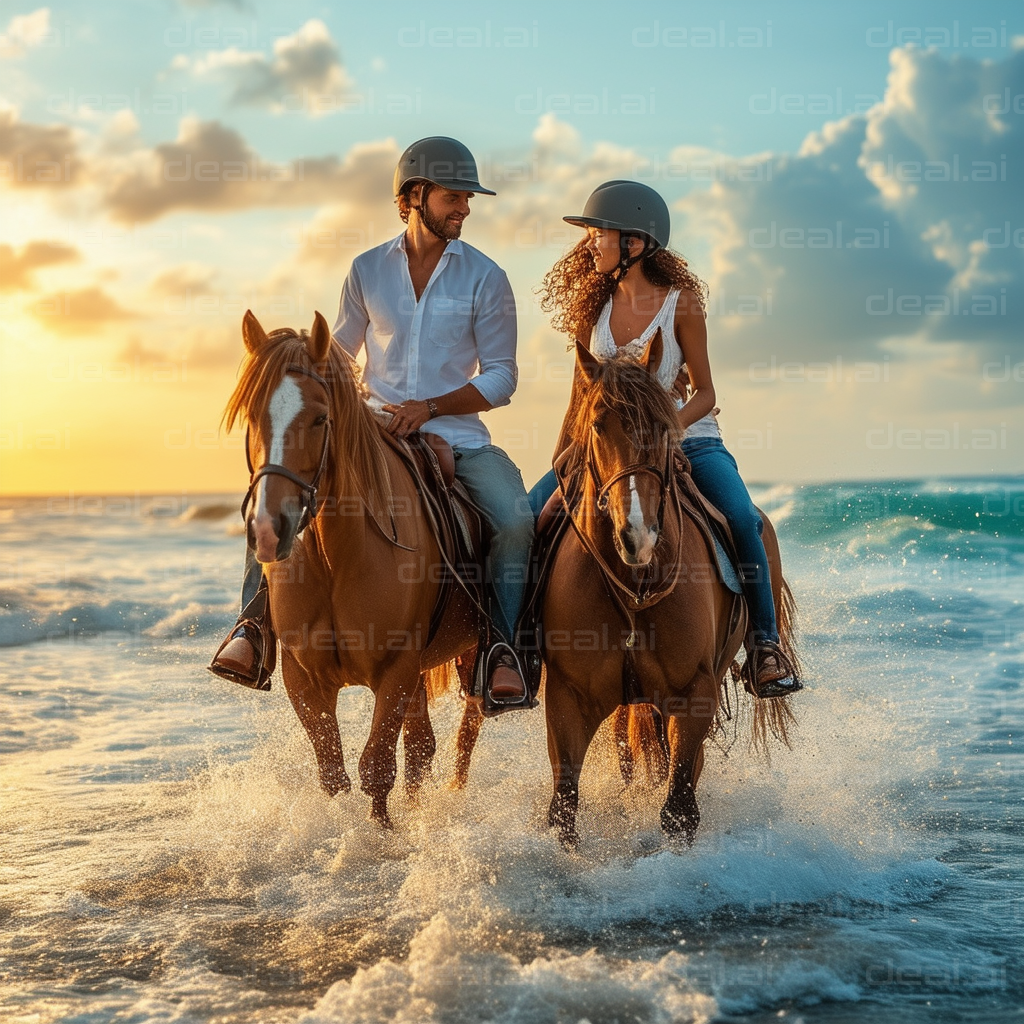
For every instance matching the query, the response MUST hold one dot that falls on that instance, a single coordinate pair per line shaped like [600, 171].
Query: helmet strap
[626, 260]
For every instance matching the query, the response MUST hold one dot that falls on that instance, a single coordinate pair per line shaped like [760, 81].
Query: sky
[848, 181]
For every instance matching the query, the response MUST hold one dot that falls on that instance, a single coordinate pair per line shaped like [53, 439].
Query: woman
[611, 293]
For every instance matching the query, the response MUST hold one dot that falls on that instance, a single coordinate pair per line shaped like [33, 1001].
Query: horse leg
[620, 731]
[469, 727]
[317, 711]
[418, 740]
[377, 765]
[570, 730]
[680, 814]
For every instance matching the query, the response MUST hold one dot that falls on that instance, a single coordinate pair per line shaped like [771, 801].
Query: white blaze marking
[636, 515]
[285, 405]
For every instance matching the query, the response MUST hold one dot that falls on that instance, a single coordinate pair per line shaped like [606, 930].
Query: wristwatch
[431, 407]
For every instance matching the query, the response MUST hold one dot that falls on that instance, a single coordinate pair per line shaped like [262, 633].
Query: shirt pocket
[448, 323]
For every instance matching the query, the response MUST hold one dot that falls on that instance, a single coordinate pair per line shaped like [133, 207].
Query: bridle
[664, 476]
[310, 506]
[628, 599]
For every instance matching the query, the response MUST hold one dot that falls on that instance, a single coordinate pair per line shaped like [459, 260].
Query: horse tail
[439, 680]
[646, 741]
[774, 717]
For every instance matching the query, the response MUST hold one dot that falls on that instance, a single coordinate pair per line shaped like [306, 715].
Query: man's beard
[440, 227]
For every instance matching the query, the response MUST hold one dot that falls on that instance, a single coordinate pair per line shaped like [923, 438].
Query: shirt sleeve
[494, 326]
[350, 328]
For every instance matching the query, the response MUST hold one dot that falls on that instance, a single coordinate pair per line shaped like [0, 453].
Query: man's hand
[407, 417]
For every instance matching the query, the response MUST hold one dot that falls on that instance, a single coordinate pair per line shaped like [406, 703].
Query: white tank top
[602, 346]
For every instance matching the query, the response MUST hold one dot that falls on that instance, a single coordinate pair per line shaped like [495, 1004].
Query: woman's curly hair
[576, 293]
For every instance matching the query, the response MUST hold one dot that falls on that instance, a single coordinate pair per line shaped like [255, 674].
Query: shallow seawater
[167, 854]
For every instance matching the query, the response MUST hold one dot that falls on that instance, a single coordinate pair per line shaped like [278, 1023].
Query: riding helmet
[445, 162]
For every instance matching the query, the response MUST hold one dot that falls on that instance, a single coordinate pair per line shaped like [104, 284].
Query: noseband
[308, 490]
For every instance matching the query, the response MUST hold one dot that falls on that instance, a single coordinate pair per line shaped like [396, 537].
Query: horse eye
[320, 420]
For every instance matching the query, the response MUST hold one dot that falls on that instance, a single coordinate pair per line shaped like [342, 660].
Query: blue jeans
[496, 485]
[717, 477]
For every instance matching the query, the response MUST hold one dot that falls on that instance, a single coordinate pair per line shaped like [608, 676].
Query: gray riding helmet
[445, 162]
[627, 206]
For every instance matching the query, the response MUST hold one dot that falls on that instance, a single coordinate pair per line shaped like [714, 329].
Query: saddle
[459, 525]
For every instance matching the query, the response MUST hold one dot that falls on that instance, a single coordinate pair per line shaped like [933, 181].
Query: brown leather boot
[249, 653]
[506, 684]
[769, 673]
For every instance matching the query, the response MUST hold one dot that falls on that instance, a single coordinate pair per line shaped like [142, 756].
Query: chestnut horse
[349, 572]
[635, 612]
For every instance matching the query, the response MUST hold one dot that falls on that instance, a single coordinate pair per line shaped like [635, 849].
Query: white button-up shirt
[464, 322]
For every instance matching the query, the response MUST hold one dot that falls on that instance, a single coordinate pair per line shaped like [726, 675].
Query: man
[437, 319]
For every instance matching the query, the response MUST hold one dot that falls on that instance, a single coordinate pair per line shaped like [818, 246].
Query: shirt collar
[453, 248]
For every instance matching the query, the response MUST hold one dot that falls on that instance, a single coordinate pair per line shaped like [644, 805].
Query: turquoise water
[168, 856]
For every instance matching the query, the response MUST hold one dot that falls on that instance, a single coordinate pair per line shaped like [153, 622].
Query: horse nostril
[626, 537]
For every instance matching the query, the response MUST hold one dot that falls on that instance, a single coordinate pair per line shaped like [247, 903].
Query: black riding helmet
[441, 160]
[631, 208]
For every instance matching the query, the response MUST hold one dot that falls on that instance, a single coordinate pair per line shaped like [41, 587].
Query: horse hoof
[334, 786]
[569, 841]
[382, 821]
[679, 826]
[379, 814]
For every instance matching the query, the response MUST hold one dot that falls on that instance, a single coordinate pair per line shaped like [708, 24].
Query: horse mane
[627, 388]
[363, 469]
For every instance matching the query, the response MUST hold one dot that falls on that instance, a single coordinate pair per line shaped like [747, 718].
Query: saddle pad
[730, 577]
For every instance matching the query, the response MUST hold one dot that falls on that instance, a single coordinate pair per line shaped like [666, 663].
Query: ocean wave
[914, 616]
[453, 976]
[963, 519]
[888, 535]
[212, 512]
[26, 623]
[192, 620]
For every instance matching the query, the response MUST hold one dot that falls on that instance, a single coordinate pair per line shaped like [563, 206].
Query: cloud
[17, 268]
[75, 312]
[183, 278]
[23, 32]
[37, 156]
[946, 151]
[305, 72]
[895, 224]
[211, 167]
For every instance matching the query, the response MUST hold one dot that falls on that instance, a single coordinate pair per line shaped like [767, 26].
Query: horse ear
[252, 333]
[652, 356]
[319, 342]
[587, 362]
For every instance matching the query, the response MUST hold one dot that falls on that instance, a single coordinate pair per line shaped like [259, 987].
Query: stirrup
[486, 663]
[783, 686]
[262, 644]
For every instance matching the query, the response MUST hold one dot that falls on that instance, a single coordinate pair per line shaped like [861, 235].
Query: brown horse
[349, 573]
[635, 611]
